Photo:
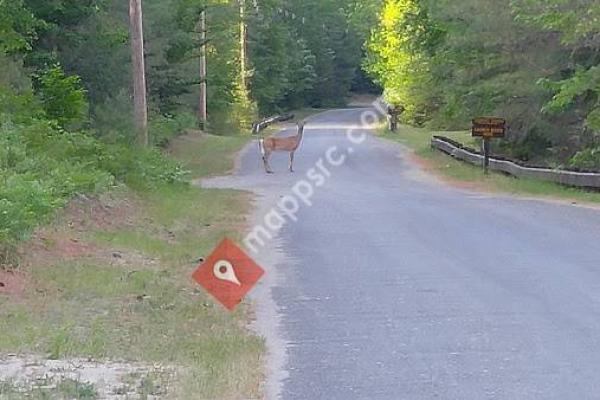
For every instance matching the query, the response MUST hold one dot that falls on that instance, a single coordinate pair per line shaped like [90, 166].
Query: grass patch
[207, 155]
[182, 223]
[145, 306]
[419, 140]
[154, 315]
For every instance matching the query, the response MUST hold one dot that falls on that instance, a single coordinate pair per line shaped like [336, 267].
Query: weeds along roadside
[43, 166]
[115, 280]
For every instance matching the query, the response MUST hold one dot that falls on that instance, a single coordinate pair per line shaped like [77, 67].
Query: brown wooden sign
[489, 127]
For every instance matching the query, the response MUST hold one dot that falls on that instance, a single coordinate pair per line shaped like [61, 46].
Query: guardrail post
[487, 146]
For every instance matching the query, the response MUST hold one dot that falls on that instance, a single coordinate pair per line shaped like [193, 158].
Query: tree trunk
[243, 46]
[139, 71]
[202, 109]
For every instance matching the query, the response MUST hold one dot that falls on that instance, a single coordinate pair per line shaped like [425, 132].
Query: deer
[290, 144]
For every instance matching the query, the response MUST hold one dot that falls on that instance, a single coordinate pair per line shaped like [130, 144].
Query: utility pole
[139, 71]
[202, 109]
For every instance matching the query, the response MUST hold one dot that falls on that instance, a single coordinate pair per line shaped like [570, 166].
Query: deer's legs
[291, 161]
[266, 162]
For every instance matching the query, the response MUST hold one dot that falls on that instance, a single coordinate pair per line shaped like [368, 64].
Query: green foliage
[17, 27]
[243, 110]
[62, 97]
[399, 54]
[300, 53]
[140, 169]
[363, 16]
[534, 145]
[42, 166]
[593, 118]
[173, 77]
[583, 85]
[575, 21]
[569, 90]
[164, 128]
[588, 159]
[534, 62]
[100, 56]
[65, 86]
[18, 108]
[577, 89]
[113, 118]
[305, 53]
[336, 45]
[283, 66]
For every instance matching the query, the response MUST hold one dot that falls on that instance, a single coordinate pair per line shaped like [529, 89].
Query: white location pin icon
[224, 271]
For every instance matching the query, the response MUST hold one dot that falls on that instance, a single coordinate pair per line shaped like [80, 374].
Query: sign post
[487, 147]
[488, 128]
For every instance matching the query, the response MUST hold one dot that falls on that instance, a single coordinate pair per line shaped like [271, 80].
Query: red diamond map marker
[228, 274]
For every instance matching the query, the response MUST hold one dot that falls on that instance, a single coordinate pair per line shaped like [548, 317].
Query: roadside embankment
[106, 287]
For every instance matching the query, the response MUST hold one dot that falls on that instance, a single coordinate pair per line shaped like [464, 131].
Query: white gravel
[112, 380]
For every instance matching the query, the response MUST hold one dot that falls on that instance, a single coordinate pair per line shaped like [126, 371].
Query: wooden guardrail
[263, 124]
[562, 177]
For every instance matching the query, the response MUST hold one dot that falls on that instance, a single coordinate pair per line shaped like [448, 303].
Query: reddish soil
[48, 247]
[106, 213]
[12, 283]
[64, 240]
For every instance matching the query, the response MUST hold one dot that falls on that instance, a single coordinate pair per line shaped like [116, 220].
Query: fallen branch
[265, 123]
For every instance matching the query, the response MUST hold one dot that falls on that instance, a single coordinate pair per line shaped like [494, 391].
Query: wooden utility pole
[139, 71]
[202, 108]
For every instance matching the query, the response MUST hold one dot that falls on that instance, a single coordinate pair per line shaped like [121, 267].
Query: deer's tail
[261, 146]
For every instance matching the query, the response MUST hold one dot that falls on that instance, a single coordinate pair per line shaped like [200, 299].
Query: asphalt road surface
[396, 286]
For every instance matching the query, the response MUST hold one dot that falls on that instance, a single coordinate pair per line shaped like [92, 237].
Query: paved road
[404, 288]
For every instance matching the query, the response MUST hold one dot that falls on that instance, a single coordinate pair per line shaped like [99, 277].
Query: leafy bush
[113, 118]
[63, 97]
[23, 200]
[42, 166]
[17, 26]
[535, 144]
[18, 108]
[588, 159]
[40, 169]
[164, 128]
[140, 168]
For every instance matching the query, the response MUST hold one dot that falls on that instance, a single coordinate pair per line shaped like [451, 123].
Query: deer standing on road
[290, 144]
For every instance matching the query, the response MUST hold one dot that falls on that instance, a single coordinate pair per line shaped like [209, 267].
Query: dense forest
[66, 109]
[534, 62]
